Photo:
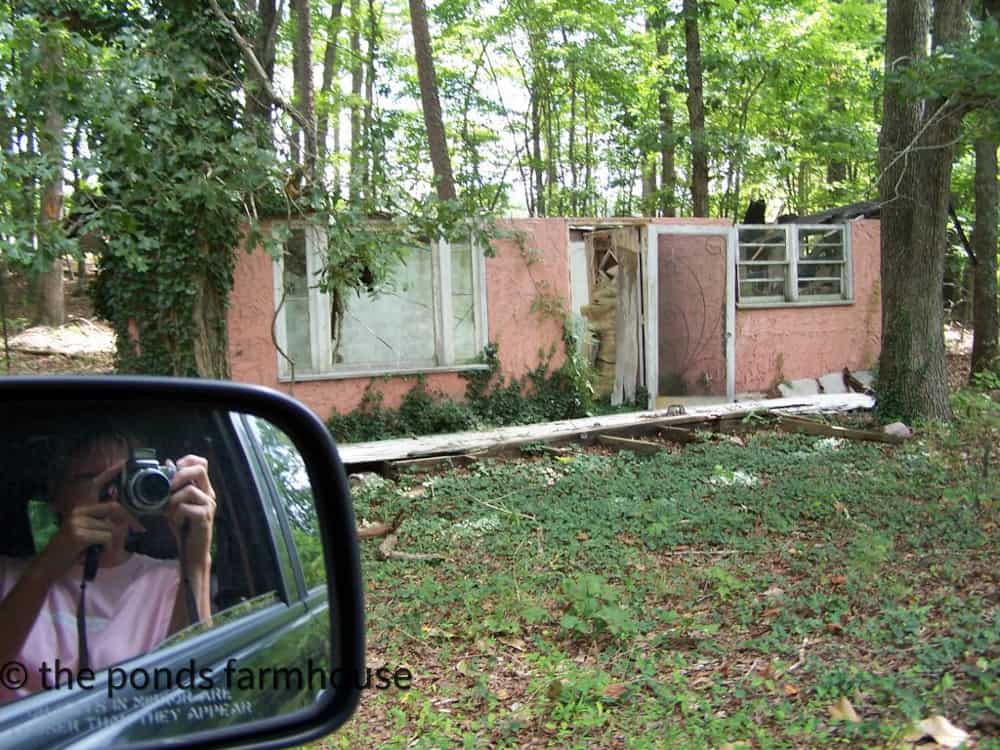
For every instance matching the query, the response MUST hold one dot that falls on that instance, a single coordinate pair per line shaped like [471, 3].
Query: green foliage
[592, 608]
[587, 596]
[542, 395]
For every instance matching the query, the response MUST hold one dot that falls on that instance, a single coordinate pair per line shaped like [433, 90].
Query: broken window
[791, 263]
[429, 314]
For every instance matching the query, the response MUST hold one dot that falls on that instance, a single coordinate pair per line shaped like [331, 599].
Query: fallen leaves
[842, 710]
[938, 728]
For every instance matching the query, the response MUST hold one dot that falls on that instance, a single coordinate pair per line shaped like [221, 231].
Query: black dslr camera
[143, 487]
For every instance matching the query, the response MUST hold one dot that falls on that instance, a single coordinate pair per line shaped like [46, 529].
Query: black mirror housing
[338, 698]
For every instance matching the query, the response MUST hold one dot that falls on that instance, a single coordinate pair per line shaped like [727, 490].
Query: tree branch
[254, 63]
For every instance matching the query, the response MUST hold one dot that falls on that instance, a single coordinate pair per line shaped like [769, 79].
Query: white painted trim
[847, 287]
[732, 255]
[278, 268]
[792, 271]
[651, 328]
[381, 372]
[319, 303]
[480, 310]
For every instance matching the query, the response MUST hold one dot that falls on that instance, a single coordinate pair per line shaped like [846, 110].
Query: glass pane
[762, 281]
[750, 290]
[821, 244]
[763, 235]
[296, 288]
[762, 253]
[394, 328]
[812, 288]
[463, 304]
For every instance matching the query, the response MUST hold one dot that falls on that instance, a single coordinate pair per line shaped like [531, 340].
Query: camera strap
[81, 607]
[81, 628]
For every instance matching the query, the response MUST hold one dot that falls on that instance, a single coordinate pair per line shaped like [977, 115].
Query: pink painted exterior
[772, 344]
[775, 344]
[514, 278]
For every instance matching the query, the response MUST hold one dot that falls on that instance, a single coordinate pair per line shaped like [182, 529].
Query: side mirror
[178, 567]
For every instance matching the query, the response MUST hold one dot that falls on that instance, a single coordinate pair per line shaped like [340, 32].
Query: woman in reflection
[134, 601]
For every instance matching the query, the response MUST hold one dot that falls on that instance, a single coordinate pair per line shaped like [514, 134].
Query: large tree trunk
[371, 147]
[51, 306]
[915, 154]
[696, 111]
[304, 90]
[326, 88]
[444, 180]
[258, 103]
[984, 244]
[668, 174]
[356, 174]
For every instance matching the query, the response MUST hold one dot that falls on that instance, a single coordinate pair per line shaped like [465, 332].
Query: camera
[144, 484]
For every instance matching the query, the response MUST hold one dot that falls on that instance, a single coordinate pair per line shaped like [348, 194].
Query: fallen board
[639, 447]
[811, 427]
[470, 442]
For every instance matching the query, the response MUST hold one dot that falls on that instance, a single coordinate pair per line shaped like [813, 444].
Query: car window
[291, 481]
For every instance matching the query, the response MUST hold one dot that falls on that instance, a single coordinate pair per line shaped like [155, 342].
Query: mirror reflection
[157, 568]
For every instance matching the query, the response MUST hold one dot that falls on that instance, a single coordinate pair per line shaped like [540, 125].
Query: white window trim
[791, 263]
[320, 338]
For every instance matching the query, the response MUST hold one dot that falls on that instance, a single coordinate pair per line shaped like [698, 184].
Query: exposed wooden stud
[640, 447]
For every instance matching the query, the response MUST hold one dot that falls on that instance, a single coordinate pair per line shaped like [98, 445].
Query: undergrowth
[722, 594]
[491, 400]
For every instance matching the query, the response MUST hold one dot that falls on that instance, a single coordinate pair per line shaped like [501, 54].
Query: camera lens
[150, 489]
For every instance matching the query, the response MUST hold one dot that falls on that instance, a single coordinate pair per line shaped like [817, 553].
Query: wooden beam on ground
[678, 434]
[639, 447]
[470, 442]
[788, 423]
[430, 464]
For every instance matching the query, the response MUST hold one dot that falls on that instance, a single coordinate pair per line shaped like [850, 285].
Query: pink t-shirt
[128, 608]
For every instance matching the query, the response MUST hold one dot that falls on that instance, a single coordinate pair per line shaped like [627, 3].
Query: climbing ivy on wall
[175, 167]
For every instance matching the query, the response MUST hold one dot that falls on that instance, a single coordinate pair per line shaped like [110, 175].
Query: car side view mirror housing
[178, 567]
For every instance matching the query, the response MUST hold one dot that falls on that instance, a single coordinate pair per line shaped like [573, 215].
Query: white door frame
[651, 290]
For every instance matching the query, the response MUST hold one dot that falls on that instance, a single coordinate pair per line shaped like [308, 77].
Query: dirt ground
[83, 346]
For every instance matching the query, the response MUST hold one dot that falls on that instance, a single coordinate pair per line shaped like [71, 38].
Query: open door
[690, 293]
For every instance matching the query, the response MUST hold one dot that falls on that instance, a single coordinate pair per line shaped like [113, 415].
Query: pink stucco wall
[522, 270]
[772, 344]
[775, 344]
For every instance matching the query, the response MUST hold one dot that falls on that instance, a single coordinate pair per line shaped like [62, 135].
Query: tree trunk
[985, 350]
[208, 313]
[304, 90]
[668, 173]
[355, 178]
[371, 155]
[51, 304]
[444, 180]
[648, 186]
[696, 111]
[326, 88]
[536, 153]
[915, 154]
[258, 105]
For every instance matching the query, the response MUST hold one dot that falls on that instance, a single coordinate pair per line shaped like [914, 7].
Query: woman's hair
[79, 442]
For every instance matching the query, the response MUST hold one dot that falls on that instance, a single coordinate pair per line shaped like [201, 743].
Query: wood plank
[788, 423]
[467, 442]
[639, 447]
[626, 319]
[430, 464]
[678, 434]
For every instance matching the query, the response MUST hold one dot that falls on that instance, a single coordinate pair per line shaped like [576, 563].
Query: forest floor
[83, 346]
[776, 591]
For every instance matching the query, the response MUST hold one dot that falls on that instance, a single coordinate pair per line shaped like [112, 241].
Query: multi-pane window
[431, 313]
[794, 263]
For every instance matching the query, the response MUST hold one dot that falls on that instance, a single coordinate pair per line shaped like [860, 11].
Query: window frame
[791, 296]
[320, 339]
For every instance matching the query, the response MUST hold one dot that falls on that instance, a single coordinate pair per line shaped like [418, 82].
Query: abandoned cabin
[685, 310]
